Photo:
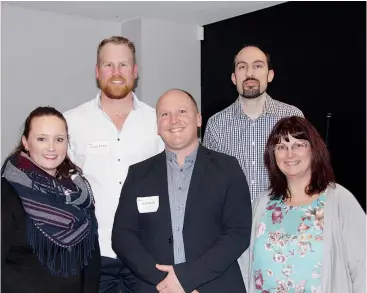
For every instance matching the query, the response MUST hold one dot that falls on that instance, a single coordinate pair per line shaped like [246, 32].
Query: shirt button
[118, 160]
[181, 170]
[120, 182]
[253, 143]
[118, 139]
[252, 181]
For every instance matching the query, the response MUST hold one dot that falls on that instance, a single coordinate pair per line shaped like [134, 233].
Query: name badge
[149, 204]
[98, 148]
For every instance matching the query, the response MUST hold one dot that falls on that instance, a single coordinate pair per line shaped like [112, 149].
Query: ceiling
[189, 12]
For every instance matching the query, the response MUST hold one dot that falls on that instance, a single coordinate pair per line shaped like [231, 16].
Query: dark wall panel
[318, 51]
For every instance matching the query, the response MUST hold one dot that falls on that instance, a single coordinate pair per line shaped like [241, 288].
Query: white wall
[170, 57]
[132, 30]
[47, 59]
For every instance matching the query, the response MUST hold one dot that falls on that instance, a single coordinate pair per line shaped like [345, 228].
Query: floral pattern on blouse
[288, 248]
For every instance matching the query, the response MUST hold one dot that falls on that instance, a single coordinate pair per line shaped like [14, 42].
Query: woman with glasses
[308, 232]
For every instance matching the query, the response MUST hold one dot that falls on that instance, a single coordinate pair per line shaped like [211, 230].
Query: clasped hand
[170, 284]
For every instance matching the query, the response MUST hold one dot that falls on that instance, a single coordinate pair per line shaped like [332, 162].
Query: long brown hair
[67, 167]
[322, 173]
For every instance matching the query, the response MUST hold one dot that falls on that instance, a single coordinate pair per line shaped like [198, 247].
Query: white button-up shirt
[104, 154]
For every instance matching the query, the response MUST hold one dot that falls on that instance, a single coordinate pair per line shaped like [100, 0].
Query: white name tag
[98, 148]
[149, 204]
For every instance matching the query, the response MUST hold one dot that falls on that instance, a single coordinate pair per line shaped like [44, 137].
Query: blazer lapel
[161, 185]
[201, 163]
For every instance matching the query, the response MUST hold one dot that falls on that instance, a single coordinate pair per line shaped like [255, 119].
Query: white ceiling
[189, 12]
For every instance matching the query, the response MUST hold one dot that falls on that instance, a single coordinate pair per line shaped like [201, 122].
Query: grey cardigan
[344, 257]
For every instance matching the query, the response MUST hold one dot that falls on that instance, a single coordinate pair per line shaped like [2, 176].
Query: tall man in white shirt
[107, 135]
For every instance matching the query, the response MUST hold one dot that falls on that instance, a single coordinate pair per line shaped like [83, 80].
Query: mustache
[117, 78]
[251, 78]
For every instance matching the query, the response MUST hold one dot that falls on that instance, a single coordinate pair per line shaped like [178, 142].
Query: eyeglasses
[297, 147]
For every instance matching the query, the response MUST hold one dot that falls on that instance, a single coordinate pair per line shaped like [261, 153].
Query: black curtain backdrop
[318, 51]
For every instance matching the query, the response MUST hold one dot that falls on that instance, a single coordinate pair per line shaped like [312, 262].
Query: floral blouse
[288, 248]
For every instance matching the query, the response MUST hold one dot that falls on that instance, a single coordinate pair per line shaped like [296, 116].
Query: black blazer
[21, 270]
[217, 224]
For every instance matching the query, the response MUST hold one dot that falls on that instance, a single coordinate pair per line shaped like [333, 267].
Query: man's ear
[135, 69]
[97, 71]
[270, 75]
[233, 77]
[199, 120]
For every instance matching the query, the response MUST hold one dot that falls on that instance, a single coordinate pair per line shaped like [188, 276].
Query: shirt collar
[136, 102]
[269, 108]
[188, 159]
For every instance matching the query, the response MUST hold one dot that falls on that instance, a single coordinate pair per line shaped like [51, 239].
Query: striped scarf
[61, 222]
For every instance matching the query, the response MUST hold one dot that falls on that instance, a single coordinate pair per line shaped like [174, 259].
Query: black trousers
[115, 277]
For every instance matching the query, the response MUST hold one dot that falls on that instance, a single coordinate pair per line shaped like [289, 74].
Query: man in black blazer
[184, 215]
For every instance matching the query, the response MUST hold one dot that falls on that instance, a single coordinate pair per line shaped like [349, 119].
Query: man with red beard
[242, 129]
[107, 135]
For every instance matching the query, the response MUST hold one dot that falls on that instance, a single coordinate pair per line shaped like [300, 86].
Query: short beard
[116, 93]
[251, 93]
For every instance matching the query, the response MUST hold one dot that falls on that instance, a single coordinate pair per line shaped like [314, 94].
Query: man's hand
[170, 284]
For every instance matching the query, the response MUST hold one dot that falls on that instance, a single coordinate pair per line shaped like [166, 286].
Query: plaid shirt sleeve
[298, 112]
[210, 136]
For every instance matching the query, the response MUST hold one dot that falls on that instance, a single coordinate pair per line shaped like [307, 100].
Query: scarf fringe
[69, 257]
